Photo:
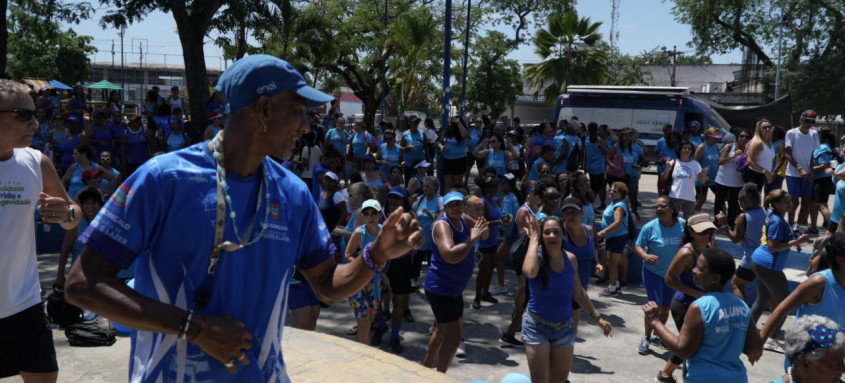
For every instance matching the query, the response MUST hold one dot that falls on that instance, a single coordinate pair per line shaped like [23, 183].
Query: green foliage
[569, 48]
[521, 15]
[806, 77]
[494, 81]
[417, 60]
[40, 48]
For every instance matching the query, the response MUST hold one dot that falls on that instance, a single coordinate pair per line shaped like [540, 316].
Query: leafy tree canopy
[494, 81]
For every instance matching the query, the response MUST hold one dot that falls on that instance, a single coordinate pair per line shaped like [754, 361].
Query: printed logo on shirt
[122, 196]
[12, 193]
[683, 172]
[275, 211]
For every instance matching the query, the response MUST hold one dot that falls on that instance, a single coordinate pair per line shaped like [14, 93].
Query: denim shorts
[537, 333]
[656, 289]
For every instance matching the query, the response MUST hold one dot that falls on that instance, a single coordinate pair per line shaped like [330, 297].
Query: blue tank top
[367, 238]
[76, 183]
[419, 182]
[494, 213]
[510, 205]
[333, 135]
[584, 254]
[595, 162]
[445, 278]
[176, 142]
[726, 320]
[497, 161]
[553, 302]
[389, 155]
[102, 135]
[687, 279]
[67, 149]
[433, 206]
[710, 158]
[754, 222]
[453, 149]
[418, 140]
[589, 214]
[377, 184]
[832, 301]
[137, 148]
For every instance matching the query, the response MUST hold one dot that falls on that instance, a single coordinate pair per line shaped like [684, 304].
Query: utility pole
[466, 61]
[384, 66]
[447, 73]
[780, 47]
[122, 67]
[112, 60]
[673, 54]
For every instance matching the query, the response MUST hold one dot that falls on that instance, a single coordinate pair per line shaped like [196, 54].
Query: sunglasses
[744, 136]
[369, 213]
[105, 158]
[766, 127]
[23, 114]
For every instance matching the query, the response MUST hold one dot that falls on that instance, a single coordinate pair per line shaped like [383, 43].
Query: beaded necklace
[224, 200]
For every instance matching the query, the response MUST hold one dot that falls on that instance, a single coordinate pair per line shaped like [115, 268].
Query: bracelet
[595, 315]
[202, 327]
[186, 324]
[368, 259]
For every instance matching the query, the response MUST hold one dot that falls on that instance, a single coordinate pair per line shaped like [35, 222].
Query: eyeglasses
[766, 127]
[23, 114]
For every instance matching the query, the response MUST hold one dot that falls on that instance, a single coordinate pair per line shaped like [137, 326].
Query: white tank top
[766, 158]
[20, 184]
[727, 174]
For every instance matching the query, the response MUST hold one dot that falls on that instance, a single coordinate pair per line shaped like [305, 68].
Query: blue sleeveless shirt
[445, 278]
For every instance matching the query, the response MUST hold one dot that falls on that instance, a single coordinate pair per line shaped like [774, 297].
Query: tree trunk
[192, 30]
[4, 36]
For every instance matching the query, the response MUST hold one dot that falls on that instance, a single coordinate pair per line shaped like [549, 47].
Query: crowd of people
[370, 223]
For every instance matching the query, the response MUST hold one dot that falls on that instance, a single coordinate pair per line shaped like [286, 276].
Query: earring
[264, 128]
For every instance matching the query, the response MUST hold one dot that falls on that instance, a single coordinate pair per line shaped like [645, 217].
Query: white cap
[331, 175]
[423, 164]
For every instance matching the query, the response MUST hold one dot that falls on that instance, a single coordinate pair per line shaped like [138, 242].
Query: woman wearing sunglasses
[388, 154]
[728, 178]
[761, 155]
[770, 260]
[366, 302]
[699, 234]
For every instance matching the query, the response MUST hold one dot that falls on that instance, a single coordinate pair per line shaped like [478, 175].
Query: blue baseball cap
[263, 75]
[398, 191]
[452, 196]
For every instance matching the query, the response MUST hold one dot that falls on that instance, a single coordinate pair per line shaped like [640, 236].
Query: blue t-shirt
[594, 159]
[775, 228]
[534, 175]
[553, 302]
[418, 140]
[839, 198]
[176, 141]
[822, 155]
[666, 152]
[389, 155]
[632, 158]
[726, 320]
[473, 137]
[450, 279]
[172, 198]
[754, 222]
[574, 144]
[607, 219]
[454, 149]
[711, 159]
[335, 137]
[510, 205]
[696, 140]
[434, 206]
[664, 242]
[359, 144]
[660, 144]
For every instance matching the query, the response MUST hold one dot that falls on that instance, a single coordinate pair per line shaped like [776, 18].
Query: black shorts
[446, 309]
[703, 190]
[488, 250]
[26, 343]
[822, 189]
[479, 163]
[833, 226]
[455, 167]
[745, 273]
[399, 275]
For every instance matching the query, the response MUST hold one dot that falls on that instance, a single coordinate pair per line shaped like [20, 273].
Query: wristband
[202, 327]
[71, 214]
[186, 324]
[368, 259]
[595, 315]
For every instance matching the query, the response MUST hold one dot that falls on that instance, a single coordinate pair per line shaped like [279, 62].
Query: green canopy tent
[104, 85]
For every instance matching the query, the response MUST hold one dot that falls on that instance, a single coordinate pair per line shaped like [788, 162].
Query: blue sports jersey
[163, 217]
[775, 228]
[726, 320]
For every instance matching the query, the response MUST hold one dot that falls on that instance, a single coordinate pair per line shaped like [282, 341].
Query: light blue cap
[452, 196]
[263, 75]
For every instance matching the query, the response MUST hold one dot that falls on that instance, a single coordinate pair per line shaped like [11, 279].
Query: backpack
[89, 335]
[59, 311]
[573, 160]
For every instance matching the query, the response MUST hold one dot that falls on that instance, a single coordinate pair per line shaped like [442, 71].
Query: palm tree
[569, 50]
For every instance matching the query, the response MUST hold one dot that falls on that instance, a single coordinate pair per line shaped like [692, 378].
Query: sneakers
[510, 341]
[489, 298]
[643, 347]
[408, 316]
[476, 304]
[664, 379]
[498, 289]
[813, 231]
[609, 293]
[352, 331]
[655, 340]
[415, 284]
[461, 353]
[773, 345]
[395, 346]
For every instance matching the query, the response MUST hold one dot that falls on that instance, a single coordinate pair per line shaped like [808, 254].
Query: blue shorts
[656, 289]
[616, 244]
[799, 187]
[537, 333]
[301, 295]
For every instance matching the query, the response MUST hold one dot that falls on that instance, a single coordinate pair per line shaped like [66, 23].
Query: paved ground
[317, 357]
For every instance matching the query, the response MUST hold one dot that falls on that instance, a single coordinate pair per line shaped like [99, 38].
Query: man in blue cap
[216, 230]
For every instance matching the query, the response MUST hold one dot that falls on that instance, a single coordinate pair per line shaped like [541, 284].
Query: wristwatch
[595, 315]
[71, 214]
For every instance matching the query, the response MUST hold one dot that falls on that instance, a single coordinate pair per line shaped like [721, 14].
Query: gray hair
[797, 337]
[9, 87]
[362, 189]
[434, 181]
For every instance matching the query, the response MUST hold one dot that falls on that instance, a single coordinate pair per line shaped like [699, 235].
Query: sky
[643, 26]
